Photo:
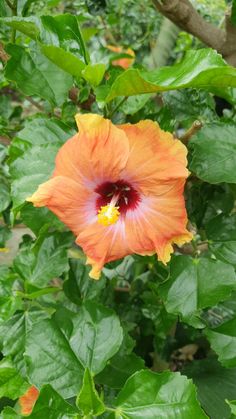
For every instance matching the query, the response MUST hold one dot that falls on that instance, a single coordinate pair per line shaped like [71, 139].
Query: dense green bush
[147, 340]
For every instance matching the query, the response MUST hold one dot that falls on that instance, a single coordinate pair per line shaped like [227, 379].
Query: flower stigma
[109, 214]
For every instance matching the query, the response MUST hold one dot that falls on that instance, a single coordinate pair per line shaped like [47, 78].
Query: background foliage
[146, 341]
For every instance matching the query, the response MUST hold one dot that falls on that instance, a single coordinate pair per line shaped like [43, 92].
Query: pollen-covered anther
[108, 214]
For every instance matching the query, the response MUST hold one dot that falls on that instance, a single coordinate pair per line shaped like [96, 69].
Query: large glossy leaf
[214, 153]
[58, 351]
[63, 31]
[93, 73]
[30, 170]
[202, 68]
[119, 369]
[12, 385]
[51, 405]
[37, 218]
[63, 59]
[44, 131]
[88, 399]
[28, 166]
[195, 284]
[13, 334]
[34, 74]
[221, 234]
[167, 395]
[9, 301]
[45, 260]
[214, 384]
[29, 26]
[223, 341]
[96, 337]
[60, 39]
[50, 359]
[79, 287]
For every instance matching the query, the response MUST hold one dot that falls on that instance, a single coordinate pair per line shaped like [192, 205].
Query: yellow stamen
[108, 214]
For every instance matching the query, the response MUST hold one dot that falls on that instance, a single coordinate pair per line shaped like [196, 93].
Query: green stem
[110, 409]
[13, 7]
[36, 294]
[117, 106]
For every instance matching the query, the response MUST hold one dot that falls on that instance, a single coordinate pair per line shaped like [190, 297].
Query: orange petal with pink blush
[98, 153]
[155, 156]
[73, 204]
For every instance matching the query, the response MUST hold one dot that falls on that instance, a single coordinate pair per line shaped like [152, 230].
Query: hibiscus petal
[103, 244]
[154, 156]
[98, 153]
[27, 401]
[158, 222]
[72, 203]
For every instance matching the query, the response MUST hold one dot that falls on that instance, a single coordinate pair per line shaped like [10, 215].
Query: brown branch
[184, 15]
[195, 127]
[3, 55]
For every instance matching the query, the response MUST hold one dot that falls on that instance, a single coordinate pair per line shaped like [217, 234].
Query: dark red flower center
[128, 197]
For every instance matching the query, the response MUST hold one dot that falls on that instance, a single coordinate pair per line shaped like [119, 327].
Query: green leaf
[135, 103]
[50, 358]
[37, 218]
[223, 341]
[88, 399]
[119, 369]
[9, 413]
[214, 153]
[232, 405]
[195, 284]
[30, 170]
[51, 405]
[28, 166]
[202, 68]
[214, 384]
[221, 234]
[9, 302]
[5, 234]
[149, 395]
[63, 59]
[34, 74]
[5, 198]
[93, 73]
[12, 385]
[44, 131]
[96, 337]
[47, 259]
[28, 25]
[13, 334]
[79, 287]
[188, 105]
[63, 31]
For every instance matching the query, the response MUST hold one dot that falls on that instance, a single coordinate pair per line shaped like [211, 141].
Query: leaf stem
[117, 106]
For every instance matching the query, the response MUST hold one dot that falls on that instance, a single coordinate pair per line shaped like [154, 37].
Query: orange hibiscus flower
[27, 401]
[125, 62]
[119, 189]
